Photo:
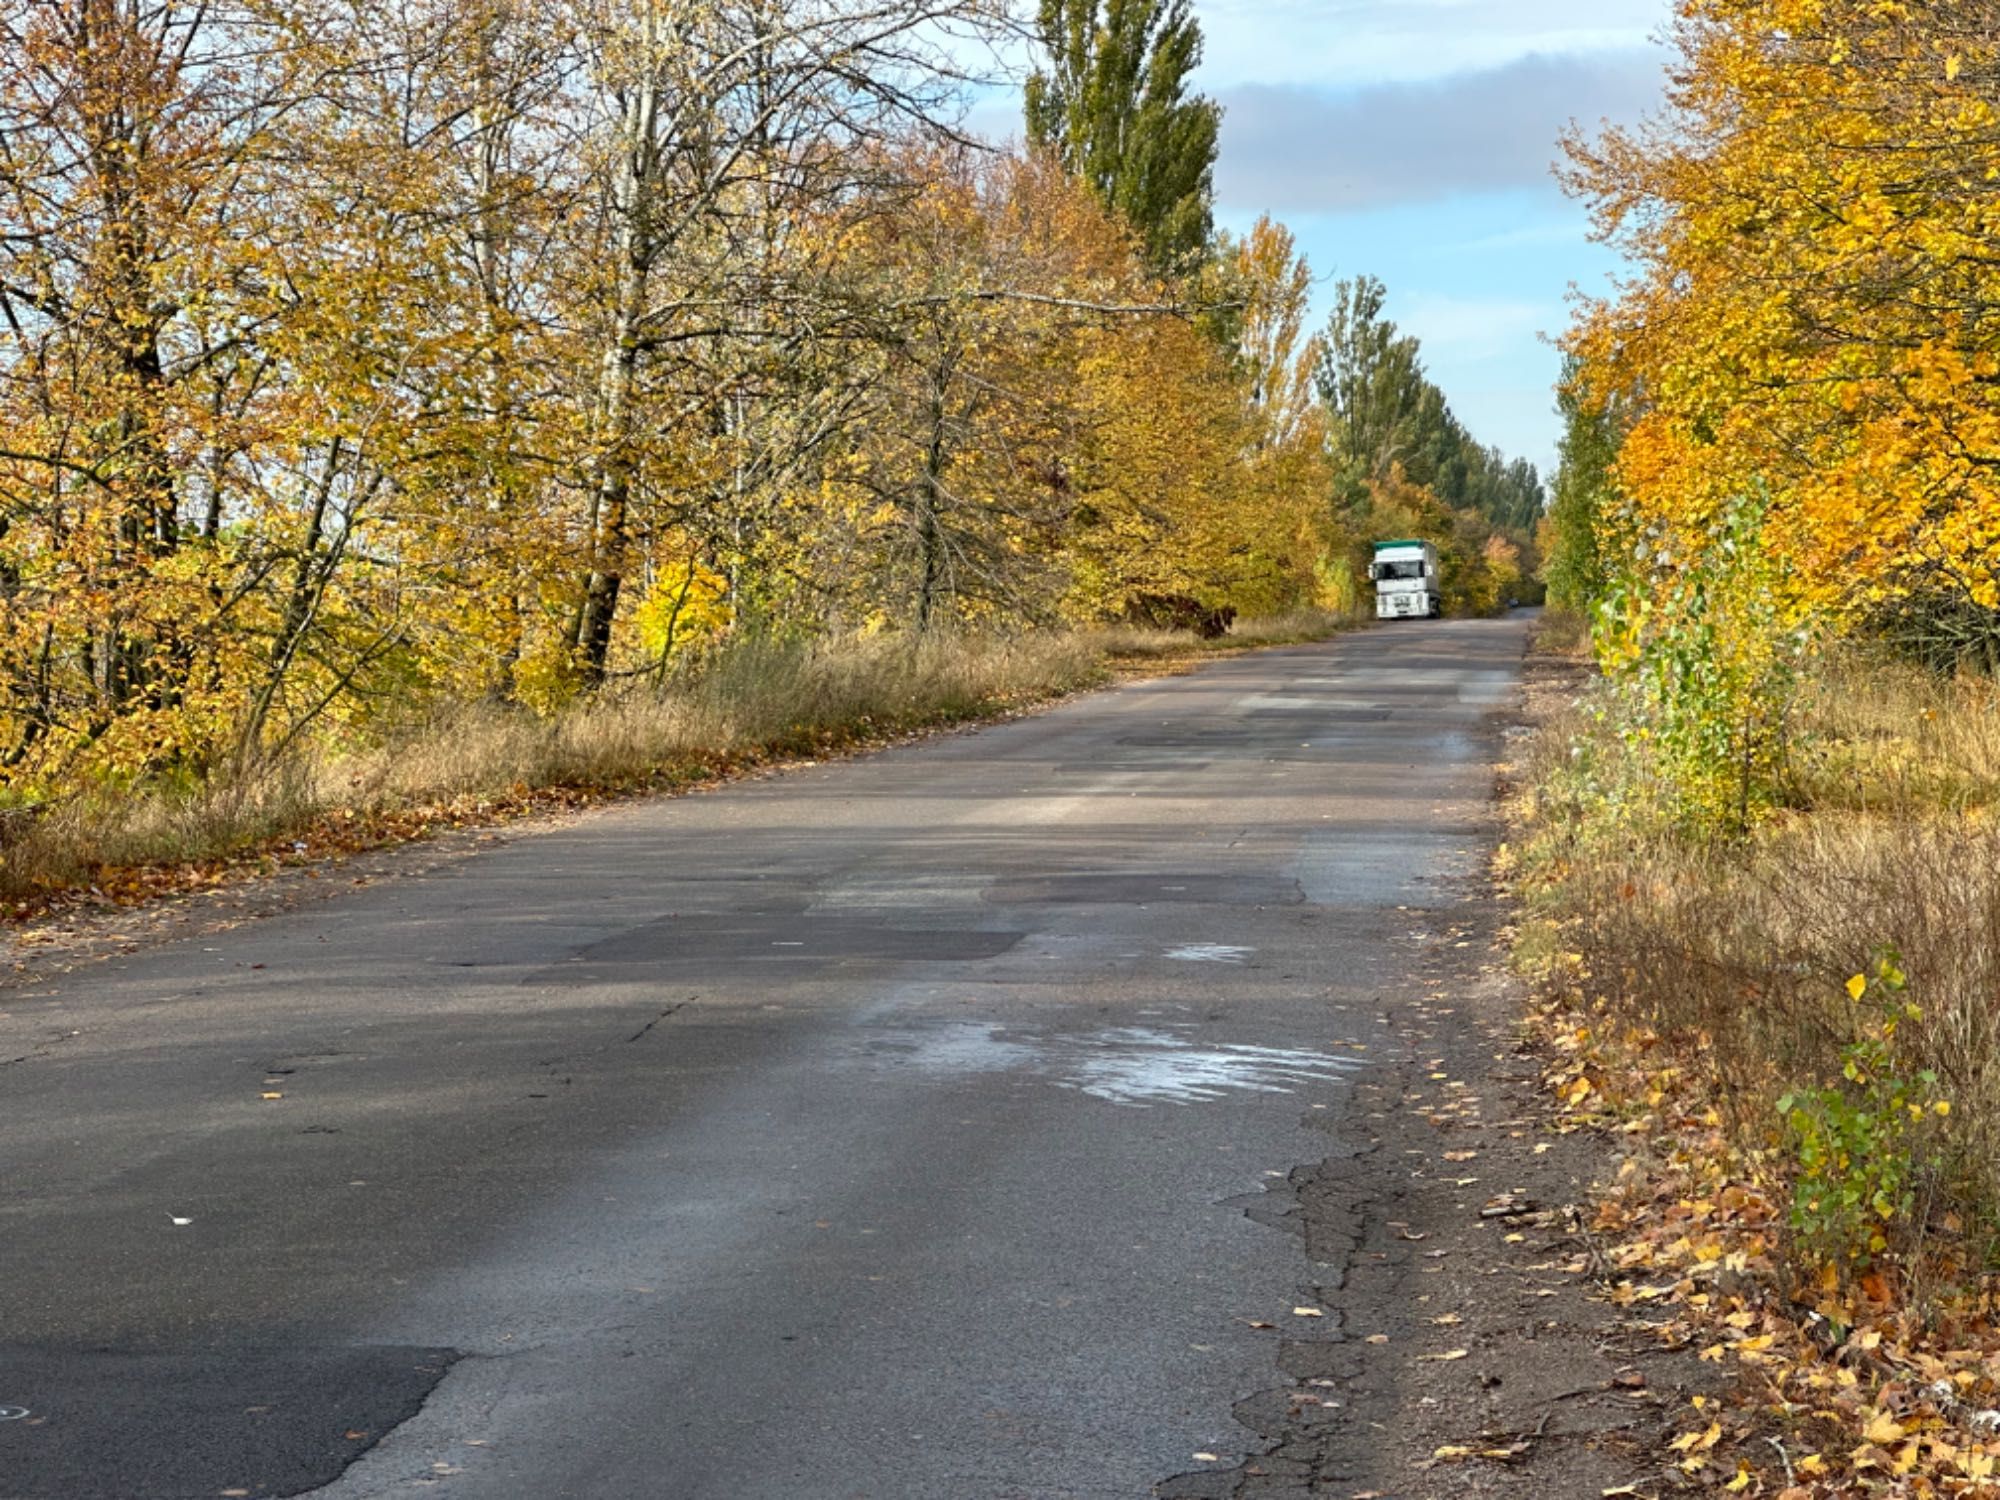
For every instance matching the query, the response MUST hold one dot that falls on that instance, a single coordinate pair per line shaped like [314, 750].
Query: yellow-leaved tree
[1811, 315]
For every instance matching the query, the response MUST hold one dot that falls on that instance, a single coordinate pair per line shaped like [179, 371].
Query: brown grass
[751, 703]
[1562, 633]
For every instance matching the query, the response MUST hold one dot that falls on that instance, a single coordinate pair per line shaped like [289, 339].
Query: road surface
[908, 1126]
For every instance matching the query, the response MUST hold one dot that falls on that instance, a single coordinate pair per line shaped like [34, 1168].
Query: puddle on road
[1209, 953]
[1131, 1065]
[1138, 1066]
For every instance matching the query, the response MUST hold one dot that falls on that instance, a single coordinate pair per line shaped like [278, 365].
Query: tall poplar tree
[1114, 105]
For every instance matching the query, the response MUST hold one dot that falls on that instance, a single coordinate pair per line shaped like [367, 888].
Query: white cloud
[1287, 149]
[1343, 43]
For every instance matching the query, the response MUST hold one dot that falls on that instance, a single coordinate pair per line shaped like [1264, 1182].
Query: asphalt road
[881, 1129]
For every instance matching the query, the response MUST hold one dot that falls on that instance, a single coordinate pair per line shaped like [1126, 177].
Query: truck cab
[1407, 582]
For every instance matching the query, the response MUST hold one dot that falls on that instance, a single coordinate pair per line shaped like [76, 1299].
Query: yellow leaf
[1883, 1429]
[1856, 987]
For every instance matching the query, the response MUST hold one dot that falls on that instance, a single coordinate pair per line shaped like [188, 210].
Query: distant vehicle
[1407, 584]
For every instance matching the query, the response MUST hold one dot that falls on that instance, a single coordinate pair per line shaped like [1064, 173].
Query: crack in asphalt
[640, 1034]
[1330, 1205]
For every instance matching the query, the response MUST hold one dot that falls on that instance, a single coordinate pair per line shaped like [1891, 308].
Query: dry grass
[1562, 633]
[1737, 954]
[1132, 643]
[1884, 737]
[755, 701]
[1292, 628]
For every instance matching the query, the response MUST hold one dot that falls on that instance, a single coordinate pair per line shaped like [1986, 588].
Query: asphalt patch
[703, 942]
[106, 1425]
[1190, 888]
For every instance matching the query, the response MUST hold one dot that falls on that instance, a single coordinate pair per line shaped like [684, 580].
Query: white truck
[1407, 585]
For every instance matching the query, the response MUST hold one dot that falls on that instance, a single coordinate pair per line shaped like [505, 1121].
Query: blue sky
[1412, 140]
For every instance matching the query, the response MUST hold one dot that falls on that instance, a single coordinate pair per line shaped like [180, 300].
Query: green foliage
[1573, 565]
[1861, 1144]
[1706, 663]
[1113, 105]
[1372, 384]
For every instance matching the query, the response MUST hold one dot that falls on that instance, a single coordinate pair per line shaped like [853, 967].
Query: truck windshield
[1399, 570]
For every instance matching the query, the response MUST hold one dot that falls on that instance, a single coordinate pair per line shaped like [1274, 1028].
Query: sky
[1412, 140]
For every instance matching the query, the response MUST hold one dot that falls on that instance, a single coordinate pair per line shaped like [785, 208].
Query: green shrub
[1862, 1144]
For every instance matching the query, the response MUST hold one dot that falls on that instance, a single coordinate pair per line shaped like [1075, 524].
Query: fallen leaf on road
[1307, 1312]
[270, 1095]
[1460, 1155]
[1444, 1358]
[1207, 1458]
[1447, 1320]
[1377, 1338]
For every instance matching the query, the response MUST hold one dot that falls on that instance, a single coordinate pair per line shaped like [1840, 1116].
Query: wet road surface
[882, 1129]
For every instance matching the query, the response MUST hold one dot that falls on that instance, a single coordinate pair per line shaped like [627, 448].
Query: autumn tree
[374, 357]
[1810, 320]
[147, 229]
[1112, 102]
[701, 110]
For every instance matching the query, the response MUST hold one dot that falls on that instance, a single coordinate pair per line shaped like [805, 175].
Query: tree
[1814, 307]
[1384, 411]
[1113, 106]
[701, 108]
[1372, 384]
[1573, 562]
[148, 223]
[1271, 285]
